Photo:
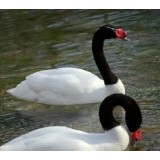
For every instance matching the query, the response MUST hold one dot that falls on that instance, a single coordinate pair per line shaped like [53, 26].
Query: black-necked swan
[114, 137]
[68, 86]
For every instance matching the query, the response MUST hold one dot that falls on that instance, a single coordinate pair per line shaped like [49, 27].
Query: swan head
[116, 32]
[133, 116]
[134, 121]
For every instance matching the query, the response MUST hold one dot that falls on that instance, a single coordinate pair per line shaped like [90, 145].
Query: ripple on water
[57, 38]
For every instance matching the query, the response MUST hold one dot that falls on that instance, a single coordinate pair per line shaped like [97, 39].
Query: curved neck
[133, 115]
[99, 57]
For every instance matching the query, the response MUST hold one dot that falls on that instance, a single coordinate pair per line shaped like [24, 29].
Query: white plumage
[68, 86]
[67, 139]
[65, 86]
[114, 137]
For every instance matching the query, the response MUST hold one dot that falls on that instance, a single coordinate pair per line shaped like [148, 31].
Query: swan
[114, 137]
[70, 86]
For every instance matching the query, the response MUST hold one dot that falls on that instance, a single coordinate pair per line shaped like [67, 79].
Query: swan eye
[120, 33]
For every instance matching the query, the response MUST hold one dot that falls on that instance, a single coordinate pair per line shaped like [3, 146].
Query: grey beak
[133, 143]
[126, 39]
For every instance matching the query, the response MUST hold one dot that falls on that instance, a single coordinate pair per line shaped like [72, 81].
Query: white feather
[65, 86]
[66, 139]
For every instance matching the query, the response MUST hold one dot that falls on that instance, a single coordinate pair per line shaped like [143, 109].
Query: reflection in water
[33, 40]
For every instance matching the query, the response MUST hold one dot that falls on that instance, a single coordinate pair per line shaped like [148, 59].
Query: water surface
[34, 40]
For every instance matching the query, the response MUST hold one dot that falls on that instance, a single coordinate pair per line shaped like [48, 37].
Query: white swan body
[68, 86]
[65, 86]
[115, 137]
[67, 139]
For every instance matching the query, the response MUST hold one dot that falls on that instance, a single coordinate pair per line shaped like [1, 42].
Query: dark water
[33, 40]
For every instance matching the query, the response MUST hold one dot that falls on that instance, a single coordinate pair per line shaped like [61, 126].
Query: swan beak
[126, 39]
[136, 136]
[133, 142]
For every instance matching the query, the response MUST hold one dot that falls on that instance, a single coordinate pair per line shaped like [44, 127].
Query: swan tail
[22, 91]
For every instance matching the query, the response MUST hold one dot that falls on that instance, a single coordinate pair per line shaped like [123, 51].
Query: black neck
[133, 114]
[97, 49]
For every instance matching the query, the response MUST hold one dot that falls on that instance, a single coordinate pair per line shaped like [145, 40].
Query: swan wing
[48, 138]
[58, 86]
[59, 138]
